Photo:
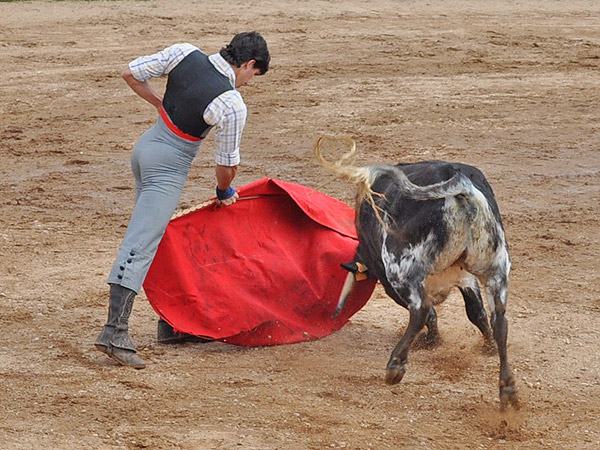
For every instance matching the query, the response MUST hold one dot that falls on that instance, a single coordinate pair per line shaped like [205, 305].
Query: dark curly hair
[246, 46]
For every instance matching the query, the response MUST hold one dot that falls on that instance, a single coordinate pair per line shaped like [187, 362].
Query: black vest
[192, 85]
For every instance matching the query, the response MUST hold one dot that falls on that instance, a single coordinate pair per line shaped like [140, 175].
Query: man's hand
[228, 201]
[226, 197]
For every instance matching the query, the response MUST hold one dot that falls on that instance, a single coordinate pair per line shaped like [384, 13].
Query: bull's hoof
[508, 397]
[395, 373]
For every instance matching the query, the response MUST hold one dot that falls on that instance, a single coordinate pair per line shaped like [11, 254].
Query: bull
[424, 228]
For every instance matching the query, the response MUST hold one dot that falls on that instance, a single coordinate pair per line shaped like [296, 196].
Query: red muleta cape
[263, 271]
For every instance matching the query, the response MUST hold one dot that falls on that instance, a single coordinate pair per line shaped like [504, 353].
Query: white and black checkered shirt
[227, 113]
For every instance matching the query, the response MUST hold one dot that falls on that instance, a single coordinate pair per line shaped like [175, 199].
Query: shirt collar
[223, 66]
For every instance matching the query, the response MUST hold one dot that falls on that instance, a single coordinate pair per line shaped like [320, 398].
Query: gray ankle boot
[113, 339]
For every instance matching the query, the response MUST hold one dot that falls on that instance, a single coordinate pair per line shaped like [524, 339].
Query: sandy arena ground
[509, 86]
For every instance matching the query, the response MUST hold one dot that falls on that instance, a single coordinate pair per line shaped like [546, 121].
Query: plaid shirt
[227, 113]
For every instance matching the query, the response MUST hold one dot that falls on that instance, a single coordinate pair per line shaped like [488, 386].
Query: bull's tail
[344, 167]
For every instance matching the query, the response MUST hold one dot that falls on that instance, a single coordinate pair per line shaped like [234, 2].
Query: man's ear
[249, 64]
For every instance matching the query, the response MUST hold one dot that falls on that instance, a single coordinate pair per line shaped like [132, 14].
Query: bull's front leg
[396, 367]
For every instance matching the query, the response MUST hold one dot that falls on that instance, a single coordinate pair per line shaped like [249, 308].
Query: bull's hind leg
[477, 315]
[497, 291]
[396, 367]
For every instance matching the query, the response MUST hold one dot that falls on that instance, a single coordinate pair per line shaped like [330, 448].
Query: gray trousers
[160, 163]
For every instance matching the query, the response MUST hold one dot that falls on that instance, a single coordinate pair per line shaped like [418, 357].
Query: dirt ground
[509, 86]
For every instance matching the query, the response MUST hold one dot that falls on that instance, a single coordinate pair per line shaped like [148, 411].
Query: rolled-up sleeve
[160, 63]
[227, 113]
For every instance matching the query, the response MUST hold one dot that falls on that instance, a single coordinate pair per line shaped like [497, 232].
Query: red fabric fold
[264, 271]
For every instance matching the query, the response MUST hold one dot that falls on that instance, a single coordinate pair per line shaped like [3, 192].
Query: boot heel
[103, 340]
[103, 348]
